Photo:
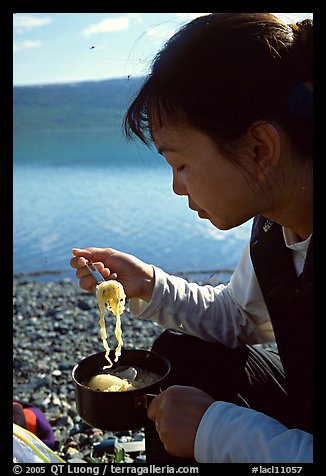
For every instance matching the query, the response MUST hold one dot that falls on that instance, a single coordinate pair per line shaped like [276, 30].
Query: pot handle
[144, 401]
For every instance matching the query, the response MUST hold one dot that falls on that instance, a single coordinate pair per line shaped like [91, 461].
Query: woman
[228, 103]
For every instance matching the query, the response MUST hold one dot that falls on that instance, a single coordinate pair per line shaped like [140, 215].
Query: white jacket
[233, 314]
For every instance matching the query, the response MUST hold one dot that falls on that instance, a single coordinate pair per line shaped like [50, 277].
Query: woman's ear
[263, 140]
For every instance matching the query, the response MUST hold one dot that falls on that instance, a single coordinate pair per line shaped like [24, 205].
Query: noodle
[109, 383]
[114, 383]
[111, 294]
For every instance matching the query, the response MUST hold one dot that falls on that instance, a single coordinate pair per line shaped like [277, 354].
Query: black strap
[289, 302]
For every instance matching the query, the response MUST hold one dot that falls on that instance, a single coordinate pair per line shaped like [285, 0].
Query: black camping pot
[115, 411]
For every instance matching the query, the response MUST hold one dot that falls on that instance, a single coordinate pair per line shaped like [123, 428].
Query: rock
[71, 451]
[84, 305]
[77, 460]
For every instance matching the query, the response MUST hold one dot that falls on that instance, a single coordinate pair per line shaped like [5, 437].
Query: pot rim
[140, 390]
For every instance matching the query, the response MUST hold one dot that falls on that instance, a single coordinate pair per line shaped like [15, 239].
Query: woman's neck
[296, 211]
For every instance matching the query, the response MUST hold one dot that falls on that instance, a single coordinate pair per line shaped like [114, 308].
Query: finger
[78, 262]
[105, 272]
[82, 273]
[88, 283]
[153, 408]
[85, 252]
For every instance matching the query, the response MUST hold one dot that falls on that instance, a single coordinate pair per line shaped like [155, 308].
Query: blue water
[80, 188]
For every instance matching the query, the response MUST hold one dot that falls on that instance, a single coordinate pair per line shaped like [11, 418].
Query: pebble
[55, 325]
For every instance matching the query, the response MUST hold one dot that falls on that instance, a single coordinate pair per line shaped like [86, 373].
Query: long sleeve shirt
[233, 314]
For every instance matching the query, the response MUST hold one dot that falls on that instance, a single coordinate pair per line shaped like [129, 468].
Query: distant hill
[91, 104]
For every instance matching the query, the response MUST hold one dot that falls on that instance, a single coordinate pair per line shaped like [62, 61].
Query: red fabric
[30, 420]
[35, 421]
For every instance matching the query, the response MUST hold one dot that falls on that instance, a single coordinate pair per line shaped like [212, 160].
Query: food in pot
[113, 383]
[109, 383]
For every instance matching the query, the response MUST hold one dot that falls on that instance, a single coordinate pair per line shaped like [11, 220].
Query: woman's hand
[136, 276]
[177, 413]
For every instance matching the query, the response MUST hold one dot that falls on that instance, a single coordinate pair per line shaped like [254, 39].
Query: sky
[51, 48]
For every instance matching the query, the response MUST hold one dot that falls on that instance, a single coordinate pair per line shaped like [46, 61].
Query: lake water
[77, 183]
[77, 189]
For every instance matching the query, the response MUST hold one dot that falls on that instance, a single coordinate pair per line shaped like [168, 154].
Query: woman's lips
[202, 214]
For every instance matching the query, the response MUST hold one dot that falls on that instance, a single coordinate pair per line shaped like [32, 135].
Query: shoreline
[211, 276]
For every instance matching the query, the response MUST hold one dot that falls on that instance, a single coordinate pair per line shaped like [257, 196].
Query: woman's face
[217, 188]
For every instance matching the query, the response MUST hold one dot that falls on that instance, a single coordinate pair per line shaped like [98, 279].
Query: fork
[95, 273]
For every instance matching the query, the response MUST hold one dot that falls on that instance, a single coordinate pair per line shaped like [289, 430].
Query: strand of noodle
[104, 340]
[117, 305]
[118, 337]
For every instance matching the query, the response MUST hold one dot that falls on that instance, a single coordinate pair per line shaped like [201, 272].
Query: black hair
[223, 72]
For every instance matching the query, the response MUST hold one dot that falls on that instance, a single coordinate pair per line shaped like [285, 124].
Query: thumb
[93, 254]
[86, 253]
[79, 253]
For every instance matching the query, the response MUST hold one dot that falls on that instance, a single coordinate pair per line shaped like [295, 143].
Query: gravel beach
[55, 325]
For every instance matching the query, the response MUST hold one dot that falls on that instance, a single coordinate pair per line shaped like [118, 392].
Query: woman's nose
[178, 186]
